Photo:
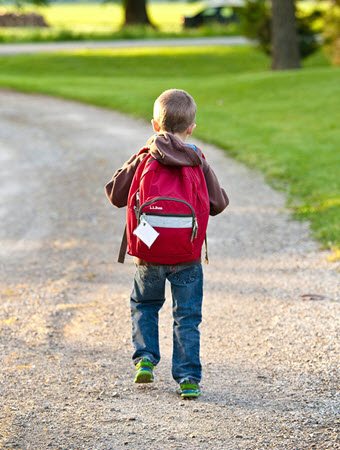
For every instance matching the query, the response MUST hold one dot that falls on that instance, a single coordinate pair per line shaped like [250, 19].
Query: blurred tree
[285, 50]
[136, 12]
[257, 23]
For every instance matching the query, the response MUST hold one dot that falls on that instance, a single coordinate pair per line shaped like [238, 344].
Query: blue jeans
[148, 297]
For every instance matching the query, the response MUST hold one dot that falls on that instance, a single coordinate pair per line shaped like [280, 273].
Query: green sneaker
[144, 371]
[189, 388]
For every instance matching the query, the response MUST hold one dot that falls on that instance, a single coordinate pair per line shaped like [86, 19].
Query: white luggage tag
[146, 233]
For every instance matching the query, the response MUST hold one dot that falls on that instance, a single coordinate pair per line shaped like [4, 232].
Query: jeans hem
[137, 360]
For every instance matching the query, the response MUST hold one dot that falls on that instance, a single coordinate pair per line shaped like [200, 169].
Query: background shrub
[332, 32]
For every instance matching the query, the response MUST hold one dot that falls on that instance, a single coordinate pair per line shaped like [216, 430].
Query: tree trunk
[285, 50]
[135, 12]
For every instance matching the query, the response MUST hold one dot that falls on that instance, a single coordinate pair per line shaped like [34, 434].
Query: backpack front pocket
[177, 229]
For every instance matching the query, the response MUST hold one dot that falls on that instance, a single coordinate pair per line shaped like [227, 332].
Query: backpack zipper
[136, 207]
[167, 214]
[194, 219]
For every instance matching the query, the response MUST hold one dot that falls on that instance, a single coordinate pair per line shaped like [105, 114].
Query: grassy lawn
[285, 124]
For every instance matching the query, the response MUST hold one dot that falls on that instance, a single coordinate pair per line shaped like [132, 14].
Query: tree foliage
[332, 31]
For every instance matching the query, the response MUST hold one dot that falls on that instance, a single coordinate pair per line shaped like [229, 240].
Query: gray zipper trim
[194, 224]
[168, 221]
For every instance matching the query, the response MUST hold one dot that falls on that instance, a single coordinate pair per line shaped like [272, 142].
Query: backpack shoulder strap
[143, 150]
[123, 248]
[123, 244]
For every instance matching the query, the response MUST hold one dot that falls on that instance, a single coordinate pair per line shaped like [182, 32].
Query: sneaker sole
[144, 377]
[190, 394]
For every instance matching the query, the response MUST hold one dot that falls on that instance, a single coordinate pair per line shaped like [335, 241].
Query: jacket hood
[171, 151]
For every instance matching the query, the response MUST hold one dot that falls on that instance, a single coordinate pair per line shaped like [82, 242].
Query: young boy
[173, 122]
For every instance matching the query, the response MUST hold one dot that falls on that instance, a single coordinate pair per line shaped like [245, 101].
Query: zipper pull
[142, 219]
[194, 230]
[136, 207]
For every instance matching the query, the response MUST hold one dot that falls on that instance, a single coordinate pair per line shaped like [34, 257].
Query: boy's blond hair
[174, 110]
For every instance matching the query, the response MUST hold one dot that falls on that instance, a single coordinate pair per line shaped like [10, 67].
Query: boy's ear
[191, 129]
[156, 127]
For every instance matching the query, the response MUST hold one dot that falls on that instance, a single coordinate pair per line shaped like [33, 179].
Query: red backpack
[174, 201]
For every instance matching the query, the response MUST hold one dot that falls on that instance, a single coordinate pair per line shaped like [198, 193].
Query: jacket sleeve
[217, 195]
[117, 190]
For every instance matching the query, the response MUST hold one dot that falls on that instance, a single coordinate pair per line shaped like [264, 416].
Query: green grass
[284, 123]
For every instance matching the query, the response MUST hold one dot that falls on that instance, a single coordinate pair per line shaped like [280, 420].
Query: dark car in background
[215, 12]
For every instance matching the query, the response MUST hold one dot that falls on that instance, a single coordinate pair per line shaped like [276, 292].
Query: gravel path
[270, 332]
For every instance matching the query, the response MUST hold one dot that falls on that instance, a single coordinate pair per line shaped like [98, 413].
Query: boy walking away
[169, 190]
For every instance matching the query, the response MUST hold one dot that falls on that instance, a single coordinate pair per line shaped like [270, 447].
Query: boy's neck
[181, 136]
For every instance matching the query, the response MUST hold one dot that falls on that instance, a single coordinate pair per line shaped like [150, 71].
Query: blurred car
[221, 12]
